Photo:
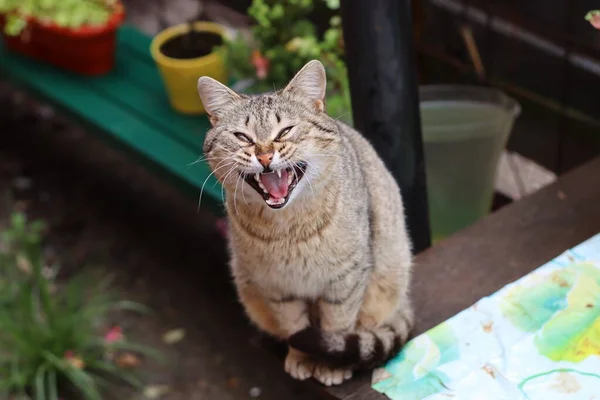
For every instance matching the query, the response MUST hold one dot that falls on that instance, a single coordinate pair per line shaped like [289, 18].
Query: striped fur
[358, 349]
[329, 271]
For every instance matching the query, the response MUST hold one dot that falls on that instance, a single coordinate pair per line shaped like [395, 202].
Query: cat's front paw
[299, 365]
[331, 376]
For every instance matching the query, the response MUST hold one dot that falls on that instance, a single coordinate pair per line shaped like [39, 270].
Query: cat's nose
[265, 159]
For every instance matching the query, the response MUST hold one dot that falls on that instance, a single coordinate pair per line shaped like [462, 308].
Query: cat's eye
[283, 132]
[243, 137]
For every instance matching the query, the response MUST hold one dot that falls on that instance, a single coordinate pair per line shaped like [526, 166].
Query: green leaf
[277, 11]
[331, 37]
[46, 4]
[126, 305]
[303, 28]
[333, 4]
[116, 372]
[52, 385]
[82, 381]
[40, 386]
[336, 21]
[18, 220]
[14, 25]
[38, 226]
[591, 14]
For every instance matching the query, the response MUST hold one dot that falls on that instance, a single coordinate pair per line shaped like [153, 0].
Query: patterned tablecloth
[536, 338]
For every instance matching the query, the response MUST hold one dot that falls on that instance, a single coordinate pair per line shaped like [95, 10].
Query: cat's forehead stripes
[265, 115]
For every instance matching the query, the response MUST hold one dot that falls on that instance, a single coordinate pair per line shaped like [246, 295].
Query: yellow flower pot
[181, 75]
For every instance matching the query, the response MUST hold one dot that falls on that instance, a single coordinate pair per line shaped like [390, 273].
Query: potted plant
[283, 39]
[77, 35]
[185, 52]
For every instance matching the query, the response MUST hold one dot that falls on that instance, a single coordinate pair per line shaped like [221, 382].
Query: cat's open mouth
[275, 187]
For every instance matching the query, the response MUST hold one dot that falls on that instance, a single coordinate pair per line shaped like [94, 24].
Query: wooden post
[380, 56]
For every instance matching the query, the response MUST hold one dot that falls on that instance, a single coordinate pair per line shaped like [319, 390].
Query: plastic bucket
[181, 76]
[465, 129]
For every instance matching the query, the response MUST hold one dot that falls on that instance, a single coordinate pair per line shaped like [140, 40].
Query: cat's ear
[310, 83]
[215, 96]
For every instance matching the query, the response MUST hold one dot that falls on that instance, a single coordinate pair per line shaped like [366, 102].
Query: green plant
[593, 17]
[64, 13]
[51, 333]
[283, 40]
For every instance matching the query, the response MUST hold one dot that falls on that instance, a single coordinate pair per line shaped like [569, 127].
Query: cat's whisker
[223, 193]
[226, 159]
[226, 176]
[243, 191]
[226, 150]
[235, 194]
[221, 162]
[296, 176]
[195, 162]
[204, 158]
[293, 167]
[308, 180]
[341, 115]
[206, 180]
[313, 167]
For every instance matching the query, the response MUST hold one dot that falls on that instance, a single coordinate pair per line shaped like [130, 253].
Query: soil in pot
[192, 44]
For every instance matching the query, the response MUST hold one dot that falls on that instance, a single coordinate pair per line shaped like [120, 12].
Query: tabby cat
[319, 250]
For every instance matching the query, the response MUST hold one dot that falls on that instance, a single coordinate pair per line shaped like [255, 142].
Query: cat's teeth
[279, 173]
[290, 178]
[262, 187]
[257, 177]
[275, 202]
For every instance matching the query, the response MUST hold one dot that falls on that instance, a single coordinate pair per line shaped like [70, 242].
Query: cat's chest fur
[303, 258]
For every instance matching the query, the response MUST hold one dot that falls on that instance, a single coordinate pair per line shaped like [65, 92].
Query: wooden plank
[135, 39]
[120, 123]
[152, 108]
[134, 46]
[495, 251]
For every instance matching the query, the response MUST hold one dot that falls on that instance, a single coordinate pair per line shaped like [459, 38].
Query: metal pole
[380, 57]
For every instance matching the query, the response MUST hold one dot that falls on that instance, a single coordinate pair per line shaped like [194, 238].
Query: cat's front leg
[279, 316]
[292, 315]
[257, 307]
[338, 312]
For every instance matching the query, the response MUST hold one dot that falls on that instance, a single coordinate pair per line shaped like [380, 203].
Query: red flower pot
[87, 50]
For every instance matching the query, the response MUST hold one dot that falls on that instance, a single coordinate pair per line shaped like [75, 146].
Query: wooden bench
[128, 107]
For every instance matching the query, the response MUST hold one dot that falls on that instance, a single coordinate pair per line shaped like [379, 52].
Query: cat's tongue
[275, 185]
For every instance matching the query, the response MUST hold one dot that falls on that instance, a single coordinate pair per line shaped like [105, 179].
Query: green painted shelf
[130, 108]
